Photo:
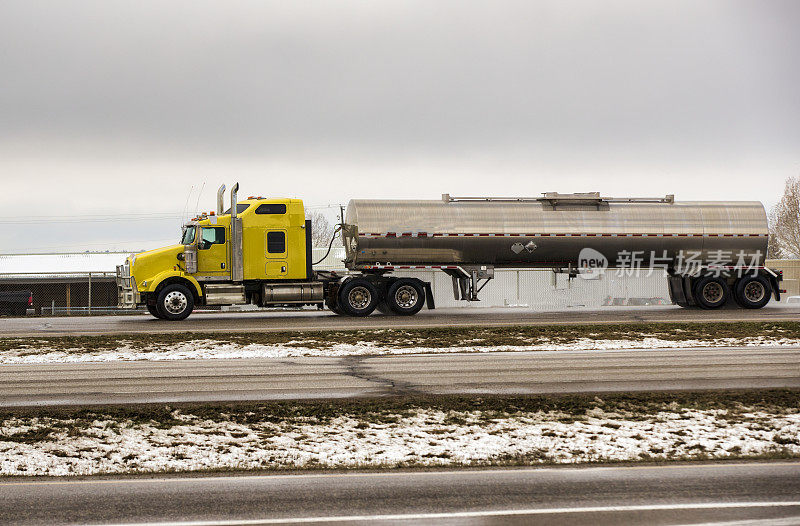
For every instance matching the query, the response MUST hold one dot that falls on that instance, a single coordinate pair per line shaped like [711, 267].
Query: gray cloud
[697, 99]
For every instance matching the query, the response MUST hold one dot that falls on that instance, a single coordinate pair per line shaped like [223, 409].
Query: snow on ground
[48, 446]
[211, 349]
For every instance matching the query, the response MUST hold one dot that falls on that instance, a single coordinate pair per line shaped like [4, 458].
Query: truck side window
[267, 208]
[241, 207]
[212, 236]
[276, 242]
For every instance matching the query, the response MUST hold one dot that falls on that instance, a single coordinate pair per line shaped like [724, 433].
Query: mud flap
[676, 292]
[429, 296]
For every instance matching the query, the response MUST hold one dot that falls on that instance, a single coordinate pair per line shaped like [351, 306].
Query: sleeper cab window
[276, 242]
[212, 236]
[271, 209]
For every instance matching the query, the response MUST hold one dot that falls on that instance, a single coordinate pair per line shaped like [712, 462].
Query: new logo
[591, 263]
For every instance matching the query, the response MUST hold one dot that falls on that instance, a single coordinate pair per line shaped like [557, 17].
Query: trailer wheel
[383, 308]
[358, 297]
[175, 302]
[711, 292]
[406, 297]
[753, 292]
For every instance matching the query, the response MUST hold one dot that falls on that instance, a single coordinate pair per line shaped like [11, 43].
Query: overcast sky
[114, 115]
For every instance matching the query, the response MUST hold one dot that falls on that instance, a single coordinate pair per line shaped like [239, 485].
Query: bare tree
[784, 223]
[321, 229]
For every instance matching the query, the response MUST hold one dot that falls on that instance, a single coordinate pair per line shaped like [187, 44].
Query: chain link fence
[66, 293]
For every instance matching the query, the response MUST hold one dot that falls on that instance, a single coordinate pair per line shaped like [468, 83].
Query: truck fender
[163, 276]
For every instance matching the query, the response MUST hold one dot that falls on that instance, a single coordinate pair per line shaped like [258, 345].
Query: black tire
[406, 297]
[738, 303]
[711, 292]
[333, 306]
[20, 310]
[358, 297]
[753, 292]
[154, 311]
[383, 308]
[175, 302]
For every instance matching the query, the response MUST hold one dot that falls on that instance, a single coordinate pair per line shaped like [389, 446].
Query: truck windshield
[188, 236]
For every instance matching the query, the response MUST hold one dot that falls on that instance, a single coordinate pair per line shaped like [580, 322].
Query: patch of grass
[272, 415]
[455, 420]
[786, 440]
[31, 436]
[435, 337]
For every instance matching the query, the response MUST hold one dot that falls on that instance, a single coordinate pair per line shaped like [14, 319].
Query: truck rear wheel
[358, 297]
[175, 302]
[405, 297]
[753, 292]
[333, 306]
[711, 292]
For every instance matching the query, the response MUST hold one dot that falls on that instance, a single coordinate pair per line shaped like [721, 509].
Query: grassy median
[438, 337]
[400, 433]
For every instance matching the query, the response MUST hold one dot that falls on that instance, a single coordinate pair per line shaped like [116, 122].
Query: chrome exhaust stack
[221, 200]
[237, 260]
[234, 198]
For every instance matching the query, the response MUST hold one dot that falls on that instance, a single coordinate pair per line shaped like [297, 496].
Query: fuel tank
[552, 231]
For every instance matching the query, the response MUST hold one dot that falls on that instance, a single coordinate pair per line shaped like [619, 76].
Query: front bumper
[127, 293]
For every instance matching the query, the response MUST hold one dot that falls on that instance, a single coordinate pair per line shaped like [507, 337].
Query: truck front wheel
[154, 311]
[175, 302]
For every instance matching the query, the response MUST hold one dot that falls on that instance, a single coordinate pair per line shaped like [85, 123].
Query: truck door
[212, 252]
[276, 254]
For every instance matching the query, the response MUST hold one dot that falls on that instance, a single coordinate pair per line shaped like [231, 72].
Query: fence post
[69, 299]
[53, 308]
[89, 307]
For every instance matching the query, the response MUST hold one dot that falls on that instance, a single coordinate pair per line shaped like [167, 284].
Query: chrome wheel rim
[359, 297]
[175, 302]
[754, 291]
[712, 292]
[405, 297]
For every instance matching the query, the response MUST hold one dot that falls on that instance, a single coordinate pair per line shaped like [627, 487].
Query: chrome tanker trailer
[259, 251]
[711, 251]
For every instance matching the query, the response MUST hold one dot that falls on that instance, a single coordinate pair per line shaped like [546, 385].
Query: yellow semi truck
[258, 252]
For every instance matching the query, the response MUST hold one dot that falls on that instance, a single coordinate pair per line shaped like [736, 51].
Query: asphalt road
[369, 376]
[671, 494]
[316, 320]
